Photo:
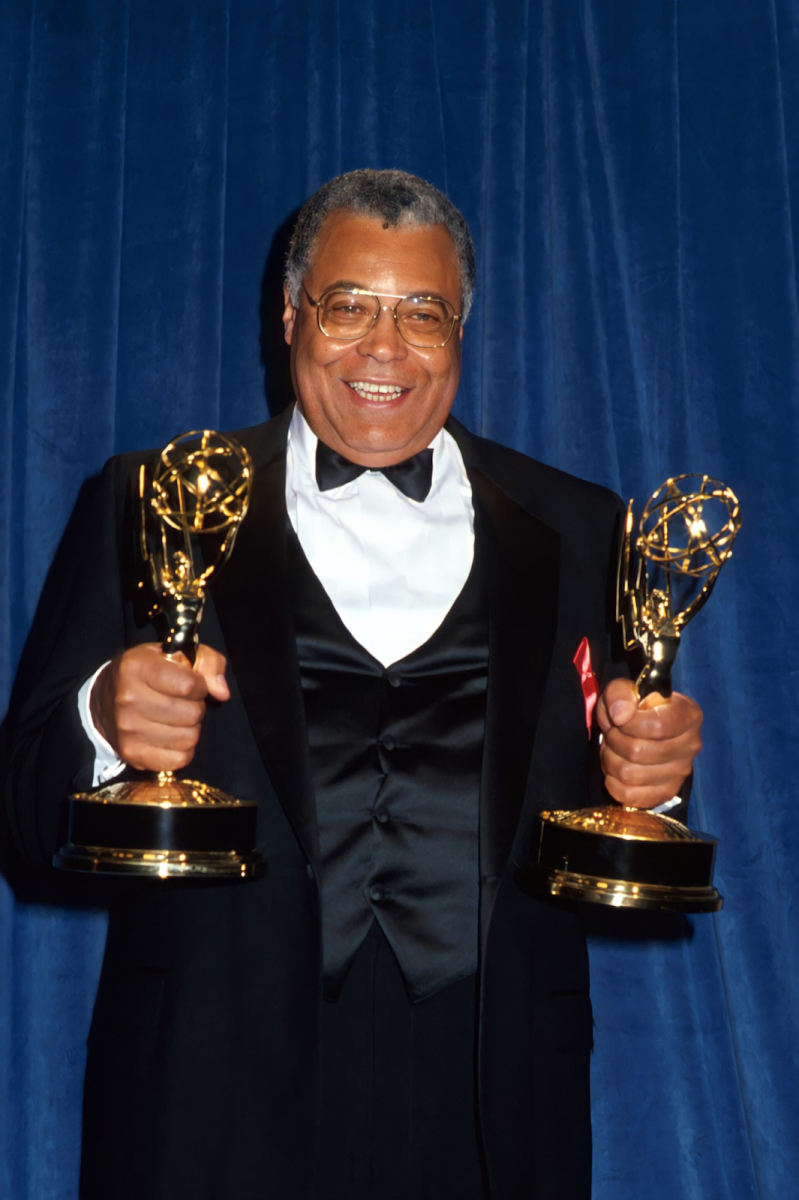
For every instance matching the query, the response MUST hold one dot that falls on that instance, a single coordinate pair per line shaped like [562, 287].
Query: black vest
[395, 759]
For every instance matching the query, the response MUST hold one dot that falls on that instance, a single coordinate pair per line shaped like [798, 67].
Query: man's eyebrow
[428, 295]
[347, 285]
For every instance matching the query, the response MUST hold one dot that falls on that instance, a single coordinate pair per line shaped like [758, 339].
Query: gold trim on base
[160, 864]
[615, 820]
[163, 791]
[618, 893]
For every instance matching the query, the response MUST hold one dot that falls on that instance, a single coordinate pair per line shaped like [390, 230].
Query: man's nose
[384, 341]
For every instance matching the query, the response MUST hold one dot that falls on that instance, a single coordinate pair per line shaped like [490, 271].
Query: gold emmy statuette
[628, 857]
[190, 511]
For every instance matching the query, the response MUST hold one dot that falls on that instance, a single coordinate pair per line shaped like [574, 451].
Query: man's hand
[649, 748]
[150, 708]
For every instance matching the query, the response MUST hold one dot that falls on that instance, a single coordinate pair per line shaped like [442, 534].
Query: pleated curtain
[630, 171]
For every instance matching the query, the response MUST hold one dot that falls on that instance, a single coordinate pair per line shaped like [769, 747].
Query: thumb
[617, 705]
[212, 666]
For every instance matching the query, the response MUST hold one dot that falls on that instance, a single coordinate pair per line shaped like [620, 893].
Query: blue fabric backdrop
[630, 172]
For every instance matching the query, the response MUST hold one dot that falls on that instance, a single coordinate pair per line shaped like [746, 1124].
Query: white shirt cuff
[664, 808]
[107, 763]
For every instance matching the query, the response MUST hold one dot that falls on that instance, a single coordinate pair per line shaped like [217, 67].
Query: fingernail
[619, 710]
[220, 679]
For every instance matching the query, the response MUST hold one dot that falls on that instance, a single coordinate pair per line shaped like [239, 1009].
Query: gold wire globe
[688, 526]
[203, 482]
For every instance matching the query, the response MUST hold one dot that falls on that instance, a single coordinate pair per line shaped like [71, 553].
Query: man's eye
[346, 310]
[422, 316]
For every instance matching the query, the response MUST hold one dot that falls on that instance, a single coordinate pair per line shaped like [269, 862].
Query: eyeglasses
[349, 314]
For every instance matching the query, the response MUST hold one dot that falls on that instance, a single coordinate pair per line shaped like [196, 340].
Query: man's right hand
[150, 708]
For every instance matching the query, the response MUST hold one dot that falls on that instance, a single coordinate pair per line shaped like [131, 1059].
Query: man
[387, 1013]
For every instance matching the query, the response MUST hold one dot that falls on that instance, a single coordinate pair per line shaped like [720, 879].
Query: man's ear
[289, 315]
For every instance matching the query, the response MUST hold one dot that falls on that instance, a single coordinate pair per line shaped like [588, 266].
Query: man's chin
[373, 439]
[372, 456]
[381, 451]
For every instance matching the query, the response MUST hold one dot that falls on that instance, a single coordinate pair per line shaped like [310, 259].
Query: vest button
[382, 817]
[388, 743]
[394, 678]
[376, 892]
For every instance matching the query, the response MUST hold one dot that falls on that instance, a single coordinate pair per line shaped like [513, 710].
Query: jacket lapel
[252, 603]
[522, 561]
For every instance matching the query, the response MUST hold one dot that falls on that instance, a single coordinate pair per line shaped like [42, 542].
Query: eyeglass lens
[421, 321]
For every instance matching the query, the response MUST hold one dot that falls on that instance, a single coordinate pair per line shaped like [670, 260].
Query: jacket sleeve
[79, 624]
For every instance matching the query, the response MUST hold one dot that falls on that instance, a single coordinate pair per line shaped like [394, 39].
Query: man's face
[388, 262]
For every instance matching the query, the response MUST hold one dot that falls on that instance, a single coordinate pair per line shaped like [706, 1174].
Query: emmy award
[190, 510]
[628, 857]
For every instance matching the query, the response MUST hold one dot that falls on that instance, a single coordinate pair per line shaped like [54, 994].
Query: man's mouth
[380, 392]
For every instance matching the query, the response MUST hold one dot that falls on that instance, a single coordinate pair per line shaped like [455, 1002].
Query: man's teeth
[377, 391]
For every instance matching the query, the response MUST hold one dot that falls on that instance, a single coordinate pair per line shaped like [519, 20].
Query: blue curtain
[630, 172]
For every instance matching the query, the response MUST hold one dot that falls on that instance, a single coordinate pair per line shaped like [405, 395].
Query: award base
[164, 828]
[623, 857]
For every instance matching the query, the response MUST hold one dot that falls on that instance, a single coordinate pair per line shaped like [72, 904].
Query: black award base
[164, 828]
[623, 857]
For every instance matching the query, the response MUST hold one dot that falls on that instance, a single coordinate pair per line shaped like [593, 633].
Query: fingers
[643, 785]
[169, 676]
[148, 748]
[639, 743]
[150, 707]
[642, 797]
[647, 755]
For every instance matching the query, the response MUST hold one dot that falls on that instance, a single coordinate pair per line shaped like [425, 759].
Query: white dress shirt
[392, 567]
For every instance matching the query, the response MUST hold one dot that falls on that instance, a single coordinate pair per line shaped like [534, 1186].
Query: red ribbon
[582, 661]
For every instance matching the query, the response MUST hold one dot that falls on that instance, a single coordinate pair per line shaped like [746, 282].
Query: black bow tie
[413, 477]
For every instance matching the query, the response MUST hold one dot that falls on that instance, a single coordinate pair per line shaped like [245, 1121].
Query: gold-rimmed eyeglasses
[349, 314]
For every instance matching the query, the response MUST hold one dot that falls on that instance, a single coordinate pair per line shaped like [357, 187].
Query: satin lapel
[522, 556]
[251, 601]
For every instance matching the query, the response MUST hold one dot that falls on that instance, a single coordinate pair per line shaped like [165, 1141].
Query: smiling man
[388, 670]
[381, 395]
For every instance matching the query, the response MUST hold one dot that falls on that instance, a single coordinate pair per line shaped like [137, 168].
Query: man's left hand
[649, 747]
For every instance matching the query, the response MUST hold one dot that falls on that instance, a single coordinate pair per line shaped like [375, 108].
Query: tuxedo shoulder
[261, 441]
[552, 494]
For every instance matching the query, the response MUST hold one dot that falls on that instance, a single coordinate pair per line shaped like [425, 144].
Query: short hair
[394, 197]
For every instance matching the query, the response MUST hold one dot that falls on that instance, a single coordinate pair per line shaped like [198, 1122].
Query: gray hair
[394, 197]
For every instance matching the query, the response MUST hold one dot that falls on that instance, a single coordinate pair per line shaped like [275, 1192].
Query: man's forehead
[366, 251]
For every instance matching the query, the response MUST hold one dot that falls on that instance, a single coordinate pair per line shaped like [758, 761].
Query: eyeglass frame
[354, 291]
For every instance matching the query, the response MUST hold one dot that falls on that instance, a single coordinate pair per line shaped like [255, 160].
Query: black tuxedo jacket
[202, 1068]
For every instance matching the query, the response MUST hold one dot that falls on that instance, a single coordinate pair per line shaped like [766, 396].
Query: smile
[377, 391]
